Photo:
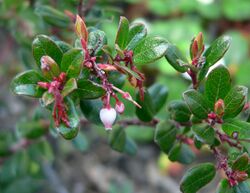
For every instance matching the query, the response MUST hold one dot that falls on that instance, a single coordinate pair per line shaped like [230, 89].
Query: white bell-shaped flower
[108, 116]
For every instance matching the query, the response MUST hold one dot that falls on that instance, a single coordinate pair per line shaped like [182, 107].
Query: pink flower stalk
[55, 87]
[108, 116]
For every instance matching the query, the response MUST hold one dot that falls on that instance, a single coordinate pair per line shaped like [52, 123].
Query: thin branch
[79, 8]
[225, 138]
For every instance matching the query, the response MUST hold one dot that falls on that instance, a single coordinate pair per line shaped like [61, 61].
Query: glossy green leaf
[25, 83]
[72, 62]
[234, 125]
[43, 45]
[242, 187]
[197, 103]
[149, 50]
[181, 153]
[198, 144]
[165, 136]
[136, 33]
[74, 121]
[218, 84]
[117, 79]
[69, 87]
[63, 46]
[161, 92]
[179, 111]
[96, 40]
[204, 133]
[130, 146]
[173, 54]
[235, 101]
[146, 112]
[129, 71]
[197, 177]
[87, 89]
[32, 129]
[241, 163]
[91, 110]
[122, 33]
[52, 16]
[224, 187]
[214, 53]
[117, 139]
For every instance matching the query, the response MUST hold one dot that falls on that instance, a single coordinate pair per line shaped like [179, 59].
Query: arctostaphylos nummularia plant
[208, 115]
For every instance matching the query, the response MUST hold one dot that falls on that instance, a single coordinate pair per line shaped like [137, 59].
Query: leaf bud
[49, 67]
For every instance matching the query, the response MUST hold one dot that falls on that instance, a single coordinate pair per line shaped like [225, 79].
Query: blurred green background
[87, 164]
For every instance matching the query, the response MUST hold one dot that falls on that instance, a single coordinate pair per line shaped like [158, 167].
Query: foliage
[102, 78]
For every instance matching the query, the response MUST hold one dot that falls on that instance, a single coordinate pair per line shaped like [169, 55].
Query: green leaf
[117, 79]
[224, 187]
[179, 111]
[235, 101]
[130, 146]
[161, 92]
[242, 187]
[74, 121]
[137, 32]
[43, 45]
[117, 140]
[69, 87]
[218, 84]
[32, 129]
[91, 110]
[81, 142]
[165, 136]
[214, 53]
[149, 50]
[122, 33]
[140, 133]
[181, 153]
[197, 177]
[25, 83]
[63, 46]
[6, 141]
[204, 133]
[52, 16]
[233, 10]
[72, 62]
[96, 40]
[130, 72]
[234, 125]
[241, 163]
[87, 89]
[197, 104]
[173, 54]
[146, 112]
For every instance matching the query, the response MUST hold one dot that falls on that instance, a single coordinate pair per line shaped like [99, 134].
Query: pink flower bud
[119, 107]
[219, 108]
[108, 116]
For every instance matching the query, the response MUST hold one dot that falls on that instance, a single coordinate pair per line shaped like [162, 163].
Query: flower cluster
[100, 69]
